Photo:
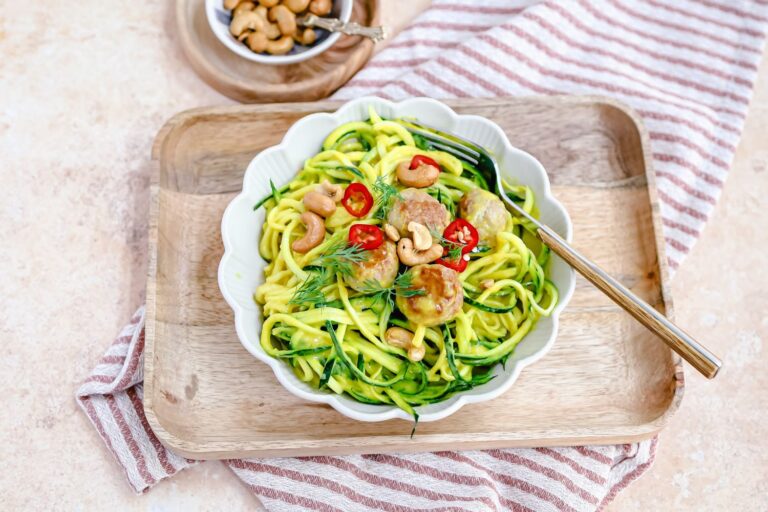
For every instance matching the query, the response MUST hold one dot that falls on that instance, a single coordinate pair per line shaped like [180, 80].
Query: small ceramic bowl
[241, 269]
[219, 19]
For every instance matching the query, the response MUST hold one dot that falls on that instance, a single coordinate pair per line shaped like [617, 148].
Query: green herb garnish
[339, 257]
[403, 286]
[386, 193]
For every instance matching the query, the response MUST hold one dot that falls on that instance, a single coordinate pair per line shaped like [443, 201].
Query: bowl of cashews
[269, 32]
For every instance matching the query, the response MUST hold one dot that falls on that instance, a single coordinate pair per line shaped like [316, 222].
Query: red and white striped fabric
[556, 479]
[687, 67]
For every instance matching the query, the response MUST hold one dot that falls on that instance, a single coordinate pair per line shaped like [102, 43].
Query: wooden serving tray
[606, 380]
[252, 82]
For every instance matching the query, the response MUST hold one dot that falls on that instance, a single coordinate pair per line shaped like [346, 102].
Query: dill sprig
[340, 256]
[310, 292]
[386, 193]
[403, 286]
[454, 248]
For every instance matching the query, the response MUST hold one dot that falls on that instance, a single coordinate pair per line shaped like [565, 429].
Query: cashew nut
[243, 7]
[257, 41]
[280, 46]
[410, 256]
[246, 20]
[422, 176]
[391, 232]
[296, 6]
[487, 283]
[422, 238]
[402, 338]
[314, 235]
[332, 190]
[286, 20]
[319, 203]
[269, 3]
[306, 37]
[230, 4]
[320, 7]
[416, 354]
[242, 37]
[270, 29]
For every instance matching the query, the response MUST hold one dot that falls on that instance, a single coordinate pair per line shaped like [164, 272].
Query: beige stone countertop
[84, 87]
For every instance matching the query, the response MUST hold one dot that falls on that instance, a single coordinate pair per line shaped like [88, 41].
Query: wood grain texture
[252, 82]
[678, 340]
[606, 380]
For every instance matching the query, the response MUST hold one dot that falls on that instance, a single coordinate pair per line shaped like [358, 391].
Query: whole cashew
[410, 256]
[422, 238]
[243, 7]
[247, 20]
[391, 232]
[230, 4]
[257, 41]
[269, 3]
[306, 37]
[314, 235]
[296, 6]
[398, 337]
[270, 29]
[420, 177]
[332, 190]
[320, 7]
[286, 20]
[280, 46]
[402, 338]
[319, 203]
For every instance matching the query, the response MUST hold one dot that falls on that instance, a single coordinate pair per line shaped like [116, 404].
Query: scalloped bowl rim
[249, 334]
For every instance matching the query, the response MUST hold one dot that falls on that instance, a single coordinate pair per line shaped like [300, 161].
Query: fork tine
[455, 152]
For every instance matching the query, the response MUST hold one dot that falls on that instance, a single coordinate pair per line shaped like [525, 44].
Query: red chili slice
[421, 159]
[459, 265]
[357, 200]
[366, 236]
[461, 232]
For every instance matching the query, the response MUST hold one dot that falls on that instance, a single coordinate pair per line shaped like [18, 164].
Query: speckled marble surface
[83, 90]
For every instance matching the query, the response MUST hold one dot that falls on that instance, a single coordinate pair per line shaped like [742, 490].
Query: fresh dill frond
[310, 292]
[454, 248]
[340, 256]
[386, 193]
[403, 286]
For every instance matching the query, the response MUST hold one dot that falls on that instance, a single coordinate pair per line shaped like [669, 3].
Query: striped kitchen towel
[688, 67]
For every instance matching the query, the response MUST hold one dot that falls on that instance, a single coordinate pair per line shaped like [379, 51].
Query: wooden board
[606, 380]
[252, 82]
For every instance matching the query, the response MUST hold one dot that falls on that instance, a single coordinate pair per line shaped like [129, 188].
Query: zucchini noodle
[334, 339]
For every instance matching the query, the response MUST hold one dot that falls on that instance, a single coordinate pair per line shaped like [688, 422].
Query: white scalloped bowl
[241, 269]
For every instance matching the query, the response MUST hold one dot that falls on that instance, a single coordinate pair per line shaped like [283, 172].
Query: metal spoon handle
[353, 28]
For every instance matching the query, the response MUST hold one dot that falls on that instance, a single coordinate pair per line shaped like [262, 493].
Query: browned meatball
[486, 212]
[418, 206]
[380, 265]
[442, 299]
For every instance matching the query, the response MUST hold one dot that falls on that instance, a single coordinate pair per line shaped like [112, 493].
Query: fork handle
[678, 340]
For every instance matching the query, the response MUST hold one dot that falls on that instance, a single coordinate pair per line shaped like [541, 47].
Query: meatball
[486, 212]
[379, 265]
[418, 206]
[442, 299]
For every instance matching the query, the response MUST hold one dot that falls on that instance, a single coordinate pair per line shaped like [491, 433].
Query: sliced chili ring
[461, 233]
[459, 264]
[365, 236]
[423, 160]
[357, 200]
